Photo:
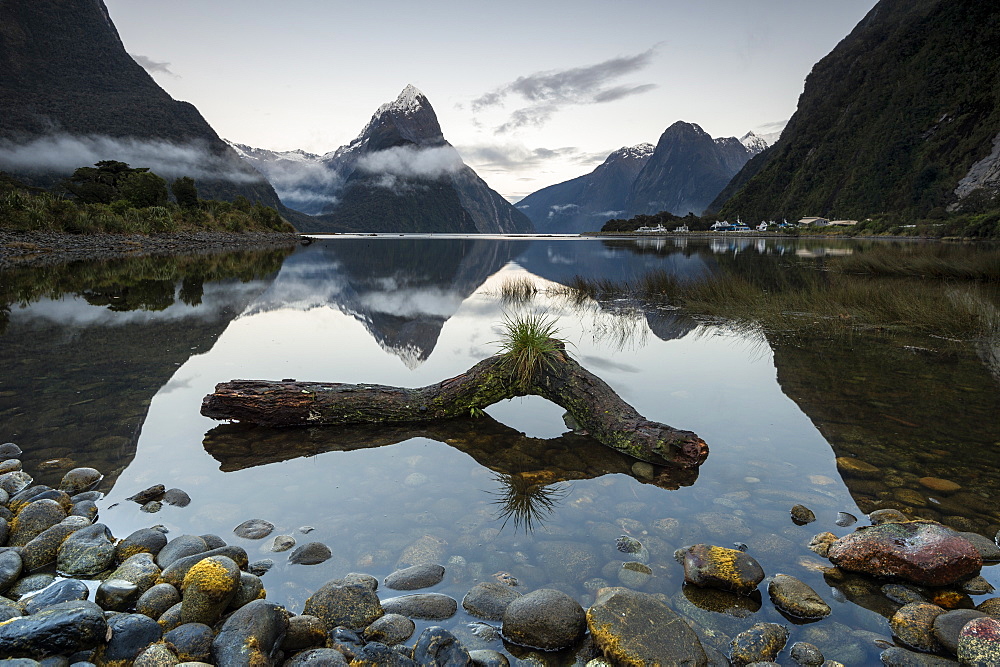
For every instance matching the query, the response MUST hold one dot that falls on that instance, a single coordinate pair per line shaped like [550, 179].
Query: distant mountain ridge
[682, 174]
[584, 203]
[901, 117]
[399, 175]
[69, 88]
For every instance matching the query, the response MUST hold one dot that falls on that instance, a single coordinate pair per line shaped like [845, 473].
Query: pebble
[304, 632]
[845, 519]
[424, 606]
[948, 625]
[344, 603]
[312, 553]
[939, 485]
[64, 628]
[251, 635]
[913, 625]
[979, 642]
[415, 577]
[802, 515]
[761, 643]
[488, 600]
[254, 529]
[796, 598]
[620, 623]
[437, 646]
[208, 588]
[545, 619]
[719, 567]
[282, 543]
[634, 574]
[86, 552]
[191, 642]
[78, 480]
[804, 653]
[391, 629]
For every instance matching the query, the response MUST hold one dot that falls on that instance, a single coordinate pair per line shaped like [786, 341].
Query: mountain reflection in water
[101, 367]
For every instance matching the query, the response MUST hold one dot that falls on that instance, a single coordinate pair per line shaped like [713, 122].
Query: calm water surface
[105, 365]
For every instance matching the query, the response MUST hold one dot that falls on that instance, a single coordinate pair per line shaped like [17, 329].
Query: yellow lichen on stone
[610, 644]
[210, 575]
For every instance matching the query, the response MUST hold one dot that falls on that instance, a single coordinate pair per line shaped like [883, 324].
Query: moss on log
[594, 406]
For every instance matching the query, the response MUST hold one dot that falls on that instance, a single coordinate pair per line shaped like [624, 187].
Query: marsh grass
[528, 344]
[936, 260]
[821, 301]
[517, 290]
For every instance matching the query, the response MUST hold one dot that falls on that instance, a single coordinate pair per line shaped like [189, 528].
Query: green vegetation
[529, 344]
[829, 301]
[113, 198]
[889, 122]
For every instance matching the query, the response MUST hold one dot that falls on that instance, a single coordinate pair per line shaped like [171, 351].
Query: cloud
[64, 153]
[514, 156]
[152, 66]
[412, 162]
[548, 92]
[307, 186]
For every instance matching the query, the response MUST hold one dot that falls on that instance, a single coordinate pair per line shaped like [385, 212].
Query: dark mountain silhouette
[586, 202]
[686, 171]
[65, 76]
[901, 116]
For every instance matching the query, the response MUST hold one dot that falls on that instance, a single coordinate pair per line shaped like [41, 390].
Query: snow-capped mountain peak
[753, 142]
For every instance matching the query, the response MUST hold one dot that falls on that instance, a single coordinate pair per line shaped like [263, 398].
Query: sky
[530, 93]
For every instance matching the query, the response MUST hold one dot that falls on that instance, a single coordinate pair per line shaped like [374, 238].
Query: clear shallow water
[107, 367]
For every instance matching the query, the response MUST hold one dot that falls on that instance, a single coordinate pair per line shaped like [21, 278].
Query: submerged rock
[921, 552]
[488, 600]
[546, 619]
[796, 598]
[425, 606]
[415, 577]
[390, 629]
[761, 643]
[254, 529]
[948, 625]
[913, 625]
[634, 628]
[802, 515]
[718, 567]
[78, 480]
[437, 646]
[312, 553]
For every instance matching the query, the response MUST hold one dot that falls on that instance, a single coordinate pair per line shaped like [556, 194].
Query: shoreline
[29, 249]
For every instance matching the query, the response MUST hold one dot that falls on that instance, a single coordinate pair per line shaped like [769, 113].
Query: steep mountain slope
[398, 175]
[68, 89]
[890, 121]
[586, 202]
[686, 171]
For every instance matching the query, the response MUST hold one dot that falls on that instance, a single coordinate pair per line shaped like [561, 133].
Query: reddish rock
[921, 552]
[979, 642]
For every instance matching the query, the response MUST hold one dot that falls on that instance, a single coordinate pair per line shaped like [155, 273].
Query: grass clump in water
[517, 290]
[529, 344]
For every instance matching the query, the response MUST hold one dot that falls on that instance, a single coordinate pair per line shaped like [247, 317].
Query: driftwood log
[592, 404]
